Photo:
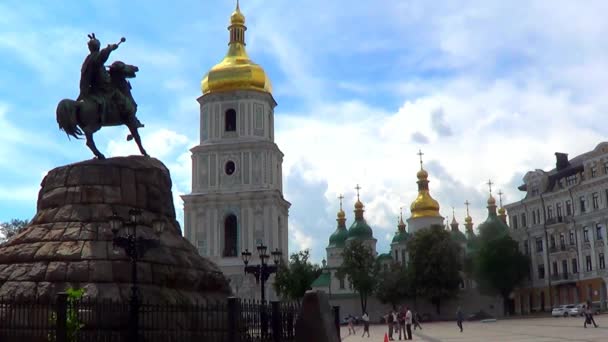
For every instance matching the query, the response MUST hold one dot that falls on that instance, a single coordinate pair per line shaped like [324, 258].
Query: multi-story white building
[561, 224]
[237, 199]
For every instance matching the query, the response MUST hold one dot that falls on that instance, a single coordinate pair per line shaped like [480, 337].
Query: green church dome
[338, 238]
[400, 237]
[458, 236]
[360, 230]
[493, 226]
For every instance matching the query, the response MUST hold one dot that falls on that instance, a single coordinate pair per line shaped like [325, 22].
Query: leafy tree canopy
[360, 267]
[435, 264]
[500, 266]
[11, 228]
[293, 280]
[392, 284]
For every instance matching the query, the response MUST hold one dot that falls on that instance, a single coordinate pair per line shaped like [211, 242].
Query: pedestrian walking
[351, 327]
[390, 322]
[589, 315]
[408, 323]
[416, 320]
[365, 319]
[459, 318]
[401, 317]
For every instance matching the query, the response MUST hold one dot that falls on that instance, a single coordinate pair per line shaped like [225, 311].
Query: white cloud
[299, 238]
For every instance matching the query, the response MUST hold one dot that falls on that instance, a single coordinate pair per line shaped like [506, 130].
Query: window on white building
[574, 266]
[514, 221]
[541, 271]
[568, 208]
[602, 262]
[586, 234]
[549, 212]
[588, 263]
[596, 200]
[539, 245]
[593, 171]
[571, 180]
[523, 220]
[230, 236]
[572, 237]
[582, 203]
[558, 210]
[598, 232]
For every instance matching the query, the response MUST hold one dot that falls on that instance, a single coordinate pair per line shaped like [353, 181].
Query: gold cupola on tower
[424, 205]
[236, 71]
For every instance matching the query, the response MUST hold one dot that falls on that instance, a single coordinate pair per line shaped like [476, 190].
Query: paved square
[517, 330]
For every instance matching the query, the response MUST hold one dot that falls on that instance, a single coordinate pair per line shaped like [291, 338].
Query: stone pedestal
[316, 320]
[69, 241]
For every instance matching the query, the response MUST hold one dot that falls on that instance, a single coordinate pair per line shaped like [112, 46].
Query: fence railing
[101, 320]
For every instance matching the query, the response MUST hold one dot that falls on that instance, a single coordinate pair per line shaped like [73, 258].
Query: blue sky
[487, 89]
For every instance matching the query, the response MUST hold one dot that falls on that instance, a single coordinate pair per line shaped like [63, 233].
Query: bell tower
[237, 199]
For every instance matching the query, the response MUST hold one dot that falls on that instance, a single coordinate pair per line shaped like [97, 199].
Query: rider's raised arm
[104, 53]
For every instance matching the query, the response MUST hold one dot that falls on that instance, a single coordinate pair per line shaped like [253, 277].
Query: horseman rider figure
[95, 85]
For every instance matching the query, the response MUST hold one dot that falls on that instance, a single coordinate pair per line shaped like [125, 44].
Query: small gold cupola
[424, 205]
[501, 210]
[468, 220]
[236, 71]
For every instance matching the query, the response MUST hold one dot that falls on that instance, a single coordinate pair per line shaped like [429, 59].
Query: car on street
[559, 311]
[575, 310]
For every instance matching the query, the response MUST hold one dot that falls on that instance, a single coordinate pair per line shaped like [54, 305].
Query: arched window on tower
[230, 120]
[230, 238]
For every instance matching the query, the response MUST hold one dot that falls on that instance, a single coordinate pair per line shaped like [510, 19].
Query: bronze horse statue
[78, 118]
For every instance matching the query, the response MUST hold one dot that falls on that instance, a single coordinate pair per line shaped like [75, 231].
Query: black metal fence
[99, 320]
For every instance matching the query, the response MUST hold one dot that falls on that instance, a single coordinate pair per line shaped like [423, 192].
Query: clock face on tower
[229, 167]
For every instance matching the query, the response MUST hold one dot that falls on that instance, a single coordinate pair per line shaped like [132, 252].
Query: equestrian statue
[105, 98]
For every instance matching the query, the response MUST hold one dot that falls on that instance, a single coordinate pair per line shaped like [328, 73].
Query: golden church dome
[501, 211]
[468, 219]
[358, 205]
[424, 205]
[341, 214]
[491, 201]
[236, 71]
[422, 174]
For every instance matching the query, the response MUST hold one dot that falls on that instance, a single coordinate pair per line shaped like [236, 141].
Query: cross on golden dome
[500, 193]
[420, 154]
[341, 197]
[357, 188]
[490, 185]
[467, 204]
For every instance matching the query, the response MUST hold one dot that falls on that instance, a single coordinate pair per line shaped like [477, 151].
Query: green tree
[12, 228]
[292, 281]
[500, 266]
[360, 268]
[392, 285]
[435, 264]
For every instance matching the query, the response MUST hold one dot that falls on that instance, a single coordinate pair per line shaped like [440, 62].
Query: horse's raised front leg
[91, 145]
[135, 134]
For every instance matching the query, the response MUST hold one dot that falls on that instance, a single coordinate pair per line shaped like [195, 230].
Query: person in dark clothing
[588, 310]
[416, 320]
[459, 318]
[390, 321]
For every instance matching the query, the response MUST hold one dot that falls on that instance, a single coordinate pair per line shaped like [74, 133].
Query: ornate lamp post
[262, 271]
[135, 247]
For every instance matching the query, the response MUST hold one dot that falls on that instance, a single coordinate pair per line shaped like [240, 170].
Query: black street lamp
[135, 247]
[262, 271]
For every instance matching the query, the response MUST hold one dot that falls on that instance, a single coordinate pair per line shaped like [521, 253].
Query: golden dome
[468, 219]
[501, 211]
[424, 206]
[237, 17]
[491, 200]
[358, 205]
[236, 71]
[422, 174]
[341, 214]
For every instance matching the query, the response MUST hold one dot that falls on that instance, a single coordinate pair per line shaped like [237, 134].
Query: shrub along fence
[101, 320]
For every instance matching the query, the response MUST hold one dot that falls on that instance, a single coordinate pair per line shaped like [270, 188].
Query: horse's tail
[66, 118]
